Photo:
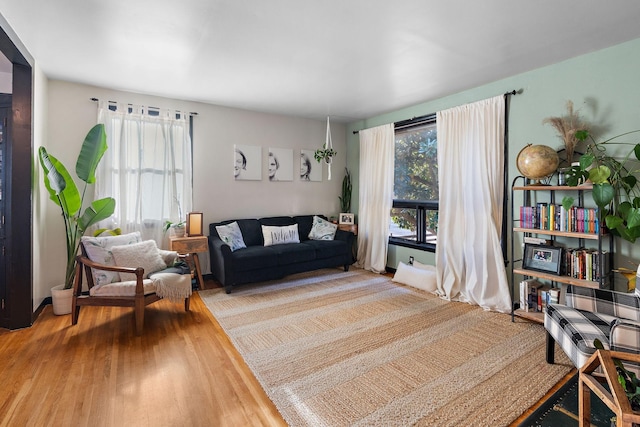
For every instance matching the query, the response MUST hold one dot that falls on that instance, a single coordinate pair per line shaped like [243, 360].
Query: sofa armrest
[625, 336]
[604, 301]
[220, 257]
[344, 235]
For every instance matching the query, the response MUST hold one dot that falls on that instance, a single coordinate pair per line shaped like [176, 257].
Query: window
[147, 168]
[414, 216]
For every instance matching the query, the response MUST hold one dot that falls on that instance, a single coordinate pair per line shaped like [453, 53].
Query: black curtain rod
[151, 108]
[428, 116]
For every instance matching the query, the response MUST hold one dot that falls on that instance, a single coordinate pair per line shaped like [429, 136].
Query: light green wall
[603, 85]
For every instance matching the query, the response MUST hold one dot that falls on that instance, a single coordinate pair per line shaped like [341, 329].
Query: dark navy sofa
[257, 262]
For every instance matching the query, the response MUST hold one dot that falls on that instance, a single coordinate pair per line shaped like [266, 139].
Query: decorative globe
[537, 161]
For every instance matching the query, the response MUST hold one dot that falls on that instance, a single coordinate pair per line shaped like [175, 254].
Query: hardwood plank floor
[183, 371]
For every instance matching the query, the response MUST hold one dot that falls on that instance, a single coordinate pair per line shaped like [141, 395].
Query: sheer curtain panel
[377, 151]
[147, 168]
[469, 258]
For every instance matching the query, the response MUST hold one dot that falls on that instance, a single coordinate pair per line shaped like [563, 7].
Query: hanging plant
[327, 152]
[324, 154]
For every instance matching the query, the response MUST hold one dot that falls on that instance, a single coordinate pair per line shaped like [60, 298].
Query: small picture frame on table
[543, 258]
[347, 218]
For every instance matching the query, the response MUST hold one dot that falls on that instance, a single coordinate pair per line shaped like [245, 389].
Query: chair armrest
[88, 264]
[625, 336]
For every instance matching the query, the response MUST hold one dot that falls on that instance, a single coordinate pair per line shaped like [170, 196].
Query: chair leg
[186, 303]
[139, 315]
[551, 347]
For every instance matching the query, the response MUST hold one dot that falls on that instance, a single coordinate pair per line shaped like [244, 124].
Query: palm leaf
[92, 150]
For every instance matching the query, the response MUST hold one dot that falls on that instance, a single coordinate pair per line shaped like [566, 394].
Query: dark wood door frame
[18, 302]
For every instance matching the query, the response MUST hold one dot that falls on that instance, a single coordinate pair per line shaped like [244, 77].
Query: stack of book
[535, 296]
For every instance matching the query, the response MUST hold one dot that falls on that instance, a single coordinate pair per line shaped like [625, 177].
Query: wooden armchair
[136, 293]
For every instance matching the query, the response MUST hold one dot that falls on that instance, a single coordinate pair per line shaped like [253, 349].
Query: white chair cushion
[122, 289]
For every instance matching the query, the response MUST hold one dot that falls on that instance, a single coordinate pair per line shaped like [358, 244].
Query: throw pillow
[422, 266]
[322, 229]
[98, 250]
[231, 235]
[416, 277]
[280, 235]
[144, 254]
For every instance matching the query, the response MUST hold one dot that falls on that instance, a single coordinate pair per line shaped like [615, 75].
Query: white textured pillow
[231, 235]
[416, 277]
[279, 235]
[98, 250]
[322, 229]
[144, 254]
[422, 266]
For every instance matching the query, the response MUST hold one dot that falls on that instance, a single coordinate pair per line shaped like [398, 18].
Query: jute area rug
[335, 348]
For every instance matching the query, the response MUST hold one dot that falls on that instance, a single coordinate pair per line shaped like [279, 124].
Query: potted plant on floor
[64, 193]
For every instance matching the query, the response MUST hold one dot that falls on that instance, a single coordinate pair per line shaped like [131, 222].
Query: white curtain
[147, 169]
[469, 258]
[377, 151]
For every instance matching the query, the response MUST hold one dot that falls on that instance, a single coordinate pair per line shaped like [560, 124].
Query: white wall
[216, 129]
[43, 263]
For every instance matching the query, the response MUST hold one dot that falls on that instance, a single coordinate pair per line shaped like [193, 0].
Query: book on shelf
[550, 216]
[529, 295]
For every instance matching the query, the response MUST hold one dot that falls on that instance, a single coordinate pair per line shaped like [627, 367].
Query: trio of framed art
[280, 164]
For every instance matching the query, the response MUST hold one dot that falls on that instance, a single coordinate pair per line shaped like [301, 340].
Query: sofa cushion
[322, 229]
[327, 248]
[254, 258]
[278, 221]
[251, 231]
[305, 222]
[292, 253]
[231, 235]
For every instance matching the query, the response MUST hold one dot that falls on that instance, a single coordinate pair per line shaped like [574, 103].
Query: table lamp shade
[194, 224]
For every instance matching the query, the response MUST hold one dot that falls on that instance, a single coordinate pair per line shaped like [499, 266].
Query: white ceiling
[350, 59]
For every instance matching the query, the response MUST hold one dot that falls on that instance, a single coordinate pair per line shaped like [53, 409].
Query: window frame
[421, 206]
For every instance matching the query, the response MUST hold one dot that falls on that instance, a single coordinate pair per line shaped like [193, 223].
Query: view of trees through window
[414, 216]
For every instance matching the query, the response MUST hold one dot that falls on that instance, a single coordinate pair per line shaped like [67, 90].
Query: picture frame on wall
[310, 170]
[347, 218]
[247, 162]
[543, 258]
[280, 164]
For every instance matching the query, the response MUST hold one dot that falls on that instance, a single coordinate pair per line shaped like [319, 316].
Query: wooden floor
[183, 371]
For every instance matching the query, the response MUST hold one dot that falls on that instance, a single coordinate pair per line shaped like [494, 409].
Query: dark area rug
[561, 409]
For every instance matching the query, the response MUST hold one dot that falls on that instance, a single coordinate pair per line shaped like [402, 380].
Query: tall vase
[61, 300]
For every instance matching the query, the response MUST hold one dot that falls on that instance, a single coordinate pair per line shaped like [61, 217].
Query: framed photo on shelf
[547, 259]
[347, 218]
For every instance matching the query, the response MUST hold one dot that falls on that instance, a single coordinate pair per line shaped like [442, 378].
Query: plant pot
[61, 300]
[178, 231]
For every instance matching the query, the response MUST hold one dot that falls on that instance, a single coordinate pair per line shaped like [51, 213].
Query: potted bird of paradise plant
[64, 192]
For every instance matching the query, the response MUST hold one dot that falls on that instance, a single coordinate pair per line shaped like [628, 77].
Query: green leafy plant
[615, 186]
[345, 199]
[64, 192]
[324, 154]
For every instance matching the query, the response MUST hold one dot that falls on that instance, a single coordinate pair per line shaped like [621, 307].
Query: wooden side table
[191, 246]
[615, 397]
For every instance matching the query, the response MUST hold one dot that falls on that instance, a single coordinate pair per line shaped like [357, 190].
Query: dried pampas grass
[567, 126]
